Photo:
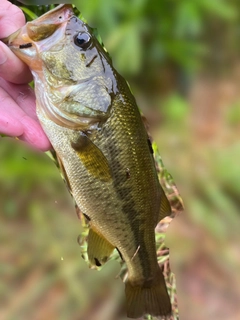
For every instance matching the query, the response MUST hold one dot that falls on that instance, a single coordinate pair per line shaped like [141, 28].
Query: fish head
[69, 65]
[30, 41]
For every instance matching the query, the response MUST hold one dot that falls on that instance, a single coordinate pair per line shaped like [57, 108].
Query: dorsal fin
[171, 200]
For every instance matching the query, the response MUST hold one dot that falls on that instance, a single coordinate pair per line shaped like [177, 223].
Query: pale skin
[17, 99]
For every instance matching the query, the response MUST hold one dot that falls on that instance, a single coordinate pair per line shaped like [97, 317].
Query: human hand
[17, 100]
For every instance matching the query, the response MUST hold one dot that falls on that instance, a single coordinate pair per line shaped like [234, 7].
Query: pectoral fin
[99, 249]
[92, 158]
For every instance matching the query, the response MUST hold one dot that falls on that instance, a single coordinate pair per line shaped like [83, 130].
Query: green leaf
[28, 12]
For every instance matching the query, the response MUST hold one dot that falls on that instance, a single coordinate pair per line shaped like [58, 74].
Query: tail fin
[151, 297]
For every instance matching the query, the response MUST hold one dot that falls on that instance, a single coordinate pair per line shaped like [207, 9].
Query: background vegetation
[182, 61]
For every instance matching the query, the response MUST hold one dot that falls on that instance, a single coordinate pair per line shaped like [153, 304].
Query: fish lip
[10, 38]
[18, 38]
[58, 16]
[25, 42]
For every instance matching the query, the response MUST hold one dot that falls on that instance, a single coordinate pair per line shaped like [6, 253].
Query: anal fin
[99, 249]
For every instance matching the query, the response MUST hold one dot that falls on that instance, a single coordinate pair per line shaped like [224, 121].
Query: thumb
[11, 68]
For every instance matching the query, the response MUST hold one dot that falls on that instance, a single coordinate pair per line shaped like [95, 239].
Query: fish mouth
[35, 36]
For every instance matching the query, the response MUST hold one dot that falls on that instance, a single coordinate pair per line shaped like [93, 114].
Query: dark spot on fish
[119, 254]
[26, 45]
[98, 264]
[128, 173]
[89, 63]
[150, 145]
[87, 217]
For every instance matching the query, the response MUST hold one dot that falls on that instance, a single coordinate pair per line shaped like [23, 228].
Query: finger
[9, 120]
[34, 135]
[16, 123]
[11, 68]
[11, 18]
[23, 95]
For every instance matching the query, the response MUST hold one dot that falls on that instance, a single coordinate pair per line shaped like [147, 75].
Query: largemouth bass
[91, 118]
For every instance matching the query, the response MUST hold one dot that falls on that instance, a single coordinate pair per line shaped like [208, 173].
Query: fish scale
[91, 118]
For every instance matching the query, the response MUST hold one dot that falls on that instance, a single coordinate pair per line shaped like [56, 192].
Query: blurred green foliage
[161, 47]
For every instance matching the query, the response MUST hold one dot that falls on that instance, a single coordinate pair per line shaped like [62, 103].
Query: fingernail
[3, 56]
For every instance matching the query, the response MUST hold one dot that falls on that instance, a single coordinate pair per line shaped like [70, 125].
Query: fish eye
[82, 40]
